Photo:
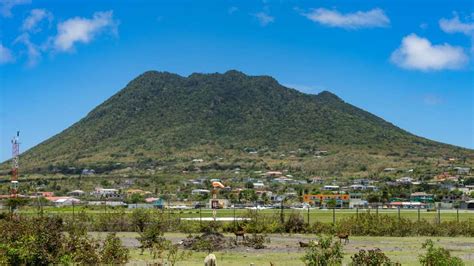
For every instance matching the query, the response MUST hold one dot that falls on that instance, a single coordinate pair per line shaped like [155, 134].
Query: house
[198, 160]
[317, 180]
[405, 180]
[462, 170]
[469, 205]
[342, 200]
[200, 191]
[76, 193]
[406, 205]
[282, 180]
[389, 169]
[358, 187]
[108, 193]
[445, 177]
[221, 203]
[331, 188]
[63, 201]
[258, 185]
[422, 197]
[355, 200]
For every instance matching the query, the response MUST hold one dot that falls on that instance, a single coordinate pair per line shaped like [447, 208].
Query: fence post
[200, 215]
[333, 216]
[418, 213]
[73, 216]
[308, 215]
[457, 214]
[439, 215]
[399, 213]
[377, 211]
[235, 227]
[357, 212]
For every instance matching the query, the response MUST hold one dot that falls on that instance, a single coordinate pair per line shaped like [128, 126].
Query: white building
[200, 191]
[106, 193]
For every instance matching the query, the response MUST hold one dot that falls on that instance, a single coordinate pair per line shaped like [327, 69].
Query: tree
[113, 252]
[140, 218]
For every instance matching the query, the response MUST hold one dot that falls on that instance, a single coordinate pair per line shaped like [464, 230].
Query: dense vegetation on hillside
[161, 116]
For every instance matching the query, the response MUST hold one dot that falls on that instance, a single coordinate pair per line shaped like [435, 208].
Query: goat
[210, 260]
[240, 233]
[305, 245]
[344, 236]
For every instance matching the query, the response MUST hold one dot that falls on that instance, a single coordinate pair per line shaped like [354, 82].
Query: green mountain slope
[161, 115]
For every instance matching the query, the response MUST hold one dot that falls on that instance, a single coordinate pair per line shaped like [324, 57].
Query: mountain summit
[160, 114]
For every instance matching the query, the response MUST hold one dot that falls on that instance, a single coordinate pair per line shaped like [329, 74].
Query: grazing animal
[272, 264]
[303, 244]
[344, 236]
[240, 233]
[210, 260]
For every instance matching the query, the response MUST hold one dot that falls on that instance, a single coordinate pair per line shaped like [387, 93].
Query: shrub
[373, 257]
[295, 223]
[256, 241]
[326, 252]
[437, 256]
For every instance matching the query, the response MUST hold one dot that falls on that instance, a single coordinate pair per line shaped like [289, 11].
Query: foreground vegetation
[55, 240]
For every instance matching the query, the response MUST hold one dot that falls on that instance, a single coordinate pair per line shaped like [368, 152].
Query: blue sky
[409, 62]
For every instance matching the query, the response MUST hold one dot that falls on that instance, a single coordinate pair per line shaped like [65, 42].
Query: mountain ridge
[161, 114]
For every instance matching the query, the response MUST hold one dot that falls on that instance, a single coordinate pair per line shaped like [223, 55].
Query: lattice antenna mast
[15, 163]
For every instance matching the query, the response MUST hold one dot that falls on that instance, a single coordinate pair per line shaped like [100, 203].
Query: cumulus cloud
[6, 55]
[455, 25]
[264, 18]
[6, 6]
[33, 52]
[35, 17]
[356, 20]
[419, 54]
[83, 30]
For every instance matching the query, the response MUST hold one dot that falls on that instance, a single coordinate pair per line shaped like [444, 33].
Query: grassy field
[325, 216]
[283, 250]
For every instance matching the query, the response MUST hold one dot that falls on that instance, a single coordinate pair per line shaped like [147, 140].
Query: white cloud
[6, 6]
[432, 99]
[360, 19]
[454, 25]
[30, 24]
[418, 53]
[32, 50]
[232, 9]
[6, 55]
[83, 30]
[264, 18]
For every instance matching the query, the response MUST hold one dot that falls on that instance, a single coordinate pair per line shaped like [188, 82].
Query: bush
[295, 223]
[113, 252]
[437, 256]
[256, 241]
[373, 257]
[326, 252]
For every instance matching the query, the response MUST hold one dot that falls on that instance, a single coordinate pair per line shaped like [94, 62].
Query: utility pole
[15, 164]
